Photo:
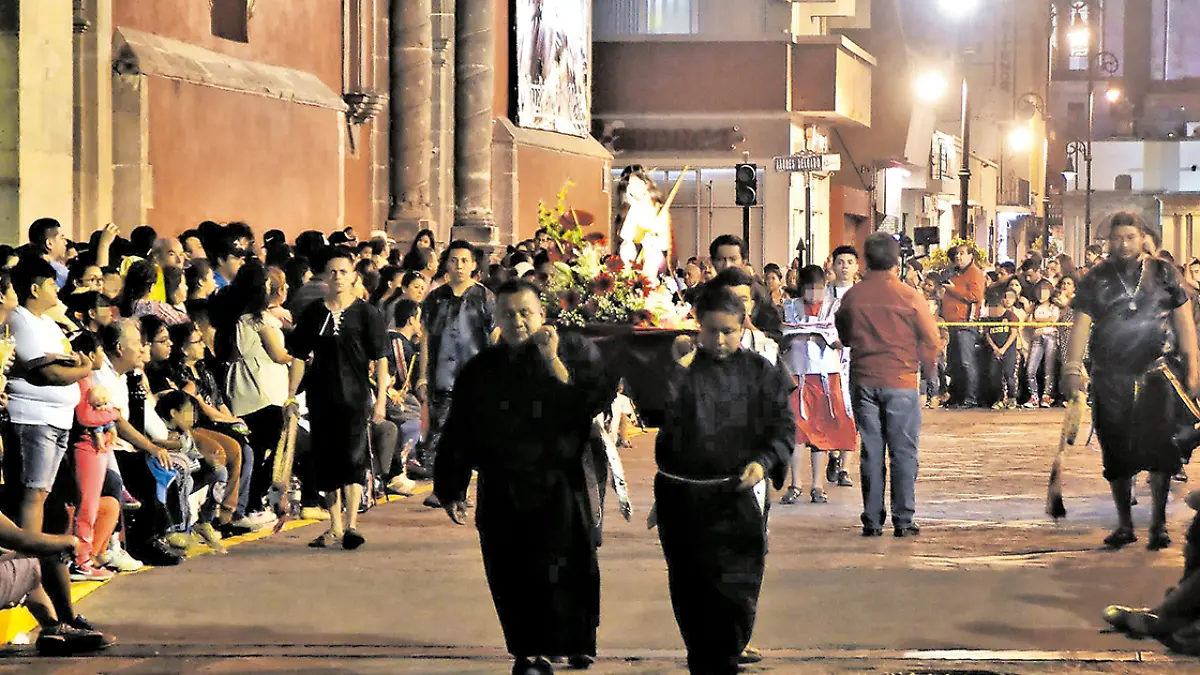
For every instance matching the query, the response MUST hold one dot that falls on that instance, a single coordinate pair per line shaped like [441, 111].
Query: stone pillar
[93, 117]
[133, 187]
[443, 118]
[36, 118]
[475, 54]
[379, 140]
[412, 117]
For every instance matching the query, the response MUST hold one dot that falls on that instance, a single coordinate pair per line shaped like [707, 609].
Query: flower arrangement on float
[590, 285]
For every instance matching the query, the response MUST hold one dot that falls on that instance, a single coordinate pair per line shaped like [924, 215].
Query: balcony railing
[1014, 192]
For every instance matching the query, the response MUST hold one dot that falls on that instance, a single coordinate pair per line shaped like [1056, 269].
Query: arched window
[1123, 183]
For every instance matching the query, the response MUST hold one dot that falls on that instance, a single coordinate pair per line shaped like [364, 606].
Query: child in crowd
[936, 391]
[1044, 348]
[403, 406]
[97, 417]
[824, 420]
[1000, 336]
[622, 417]
[177, 409]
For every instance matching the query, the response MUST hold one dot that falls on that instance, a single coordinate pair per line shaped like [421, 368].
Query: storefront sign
[617, 138]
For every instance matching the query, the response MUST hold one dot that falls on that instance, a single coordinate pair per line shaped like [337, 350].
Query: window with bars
[654, 17]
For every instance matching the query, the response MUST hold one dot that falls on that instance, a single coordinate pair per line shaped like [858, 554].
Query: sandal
[1120, 537]
[1136, 623]
[1159, 539]
[327, 540]
[792, 496]
[818, 496]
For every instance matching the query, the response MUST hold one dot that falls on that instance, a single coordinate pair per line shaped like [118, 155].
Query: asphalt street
[990, 586]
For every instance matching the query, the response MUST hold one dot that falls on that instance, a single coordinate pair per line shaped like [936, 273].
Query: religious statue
[645, 221]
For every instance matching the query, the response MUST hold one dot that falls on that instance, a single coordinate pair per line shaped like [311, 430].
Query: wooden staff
[281, 471]
[666, 205]
[1070, 431]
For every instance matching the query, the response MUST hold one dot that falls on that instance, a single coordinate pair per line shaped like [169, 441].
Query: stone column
[475, 54]
[36, 125]
[443, 117]
[412, 117]
[93, 141]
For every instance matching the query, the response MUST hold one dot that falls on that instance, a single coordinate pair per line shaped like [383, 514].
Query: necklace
[1132, 294]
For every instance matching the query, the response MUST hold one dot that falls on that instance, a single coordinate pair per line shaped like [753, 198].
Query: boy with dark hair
[728, 427]
[1000, 336]
[458, 324]
[404, 408]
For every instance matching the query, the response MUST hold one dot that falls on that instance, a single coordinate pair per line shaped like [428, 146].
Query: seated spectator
[404, 407]
[197, 464]
[136, 301]
[200, 280]
[23, 581]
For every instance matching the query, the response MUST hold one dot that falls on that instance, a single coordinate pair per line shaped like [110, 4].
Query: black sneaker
[832, 468]
[159, 553]
[843, 479]
[869, 531]
[432, 501]
[907, 531]
[66, 640]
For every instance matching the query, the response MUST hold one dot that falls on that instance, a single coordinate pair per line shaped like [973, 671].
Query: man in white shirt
[43, 390]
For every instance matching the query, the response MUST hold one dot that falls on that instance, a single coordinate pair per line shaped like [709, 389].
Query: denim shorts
[42, 451]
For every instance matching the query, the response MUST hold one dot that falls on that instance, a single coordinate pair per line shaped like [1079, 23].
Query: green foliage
[1036, 245]
[938, 262]
[550, 219]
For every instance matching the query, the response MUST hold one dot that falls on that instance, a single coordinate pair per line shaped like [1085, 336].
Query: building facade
[912, 155]
[306, 114]
[690, 88]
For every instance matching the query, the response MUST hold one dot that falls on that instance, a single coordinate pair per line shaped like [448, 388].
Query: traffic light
[747, 184]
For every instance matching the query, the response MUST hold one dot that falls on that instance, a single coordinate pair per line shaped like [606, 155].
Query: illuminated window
[654, 17]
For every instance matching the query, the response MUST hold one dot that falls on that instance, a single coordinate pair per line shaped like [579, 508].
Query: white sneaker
[119, 559]
[264, 517]
[245, 523]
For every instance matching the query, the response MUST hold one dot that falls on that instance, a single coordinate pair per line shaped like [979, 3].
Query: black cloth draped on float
[527, 435]
[721, 414]
[1135, 411]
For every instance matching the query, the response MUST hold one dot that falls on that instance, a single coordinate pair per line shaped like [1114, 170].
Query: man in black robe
[728, 427]
[1133, 315]
[522, 417]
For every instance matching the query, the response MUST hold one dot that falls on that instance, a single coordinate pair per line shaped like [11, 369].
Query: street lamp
[1077, 150]
[1113, 94]
[1029, 104]
[1020, 138]
[1081, 35]
[930, 87]
[963, 10]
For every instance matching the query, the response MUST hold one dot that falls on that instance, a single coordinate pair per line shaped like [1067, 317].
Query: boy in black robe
[1133, 315]
[728, 428]
[522, 417]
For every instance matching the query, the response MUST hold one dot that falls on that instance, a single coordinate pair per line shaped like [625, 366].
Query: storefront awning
[136, 52]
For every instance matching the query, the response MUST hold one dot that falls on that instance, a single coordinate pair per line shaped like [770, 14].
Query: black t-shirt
[1131, 318]
[342, 348]
[998, 328]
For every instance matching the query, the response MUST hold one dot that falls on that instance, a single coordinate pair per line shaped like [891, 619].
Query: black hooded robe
[721, 415]
[526, 434]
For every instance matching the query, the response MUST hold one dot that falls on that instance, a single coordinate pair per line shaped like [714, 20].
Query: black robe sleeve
[456, 452]
[593, 386]
[778, 430]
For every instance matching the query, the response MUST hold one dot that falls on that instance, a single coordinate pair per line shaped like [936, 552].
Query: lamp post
[1081, 150]
[1034, 103]
[963, 10]
[1096, 60]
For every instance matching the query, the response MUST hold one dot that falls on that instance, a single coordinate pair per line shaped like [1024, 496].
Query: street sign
[808, 162]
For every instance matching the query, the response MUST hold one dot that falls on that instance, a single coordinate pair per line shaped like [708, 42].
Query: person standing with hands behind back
[522, 416]
[892, 333]
[729, 426]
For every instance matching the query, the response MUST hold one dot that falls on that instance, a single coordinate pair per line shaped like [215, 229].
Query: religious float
[627, 303]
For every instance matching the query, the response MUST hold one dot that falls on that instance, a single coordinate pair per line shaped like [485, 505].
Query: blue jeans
[1004, 375]
[964, 364]
[888, 420]
[1042, 354]
[42, 450]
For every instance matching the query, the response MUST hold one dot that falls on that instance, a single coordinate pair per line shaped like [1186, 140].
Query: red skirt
[829, 426]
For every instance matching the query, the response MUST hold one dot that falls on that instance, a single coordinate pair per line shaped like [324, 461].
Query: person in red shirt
[889, 329]
[961, 303]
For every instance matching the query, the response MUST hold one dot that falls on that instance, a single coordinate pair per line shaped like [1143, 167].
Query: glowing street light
[930, 86]
[1020, 138]
[1113, 95]
[959, 8]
